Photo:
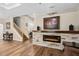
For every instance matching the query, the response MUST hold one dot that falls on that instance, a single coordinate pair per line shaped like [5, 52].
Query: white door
[1, 31]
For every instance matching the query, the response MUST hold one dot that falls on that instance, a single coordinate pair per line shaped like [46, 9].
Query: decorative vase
[38, 28]
[71, 27]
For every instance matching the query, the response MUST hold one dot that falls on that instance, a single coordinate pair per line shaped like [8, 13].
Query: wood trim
[68, 32]
[59, 31]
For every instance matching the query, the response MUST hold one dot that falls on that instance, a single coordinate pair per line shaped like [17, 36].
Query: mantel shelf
[58, 31]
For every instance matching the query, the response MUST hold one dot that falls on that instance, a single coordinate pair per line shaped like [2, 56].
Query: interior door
[1, 31]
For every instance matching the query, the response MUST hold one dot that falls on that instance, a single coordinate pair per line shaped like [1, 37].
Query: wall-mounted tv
[51, 22]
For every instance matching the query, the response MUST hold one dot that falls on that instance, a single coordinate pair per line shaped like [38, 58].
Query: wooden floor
[15, 48]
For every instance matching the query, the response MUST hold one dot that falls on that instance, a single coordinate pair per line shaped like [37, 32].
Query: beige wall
[26, 28]
[3, 21]
[12, 30]
[3, 29]
[23, 26]
[65, 20]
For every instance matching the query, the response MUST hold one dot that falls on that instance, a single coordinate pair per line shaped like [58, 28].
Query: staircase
[20, 32]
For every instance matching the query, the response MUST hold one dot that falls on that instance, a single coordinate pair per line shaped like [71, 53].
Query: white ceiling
[9, 5]
[30, 8]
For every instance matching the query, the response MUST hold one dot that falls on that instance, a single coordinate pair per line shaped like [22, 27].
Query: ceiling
[36, 8]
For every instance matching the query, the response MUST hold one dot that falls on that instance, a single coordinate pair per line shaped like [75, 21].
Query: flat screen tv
[52, 22]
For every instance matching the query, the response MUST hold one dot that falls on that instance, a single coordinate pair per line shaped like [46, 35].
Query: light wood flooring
[15, 48]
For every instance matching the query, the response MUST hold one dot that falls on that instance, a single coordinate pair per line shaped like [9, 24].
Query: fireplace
[52, 38]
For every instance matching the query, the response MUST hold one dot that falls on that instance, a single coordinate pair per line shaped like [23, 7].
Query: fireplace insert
[52, 38]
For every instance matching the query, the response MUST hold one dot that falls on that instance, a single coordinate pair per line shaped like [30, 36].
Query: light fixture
[9, 5]
[51, 10]
[52, 13]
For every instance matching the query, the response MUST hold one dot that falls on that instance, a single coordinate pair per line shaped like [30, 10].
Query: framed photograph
[8, 25]
[52, 22]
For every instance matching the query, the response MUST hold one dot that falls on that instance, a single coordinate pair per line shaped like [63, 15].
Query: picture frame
[7, 25]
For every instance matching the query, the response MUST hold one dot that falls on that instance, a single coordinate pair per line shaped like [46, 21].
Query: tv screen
[52, 22]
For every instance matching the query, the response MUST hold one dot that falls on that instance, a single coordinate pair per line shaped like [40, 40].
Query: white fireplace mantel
[38, 39]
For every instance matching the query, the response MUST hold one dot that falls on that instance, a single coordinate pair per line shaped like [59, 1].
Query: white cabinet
[70, 38]
[64, 37]
[74, 38]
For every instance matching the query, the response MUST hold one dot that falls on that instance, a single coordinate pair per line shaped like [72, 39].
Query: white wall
[23, 26]
[26, 24]
[65, 20]
[3, 21]
[16, 36]
[1, 31]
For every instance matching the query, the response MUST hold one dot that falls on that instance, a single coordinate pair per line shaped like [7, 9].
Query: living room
[51, 27]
